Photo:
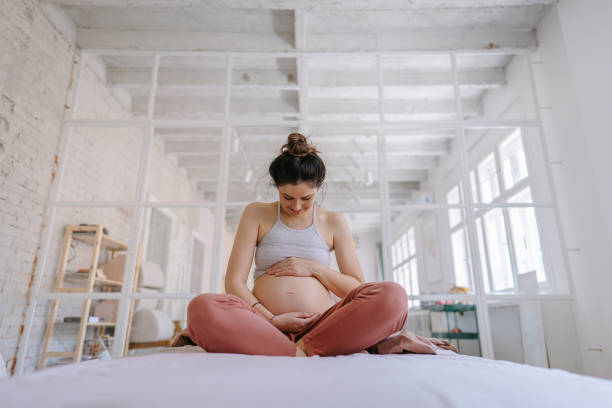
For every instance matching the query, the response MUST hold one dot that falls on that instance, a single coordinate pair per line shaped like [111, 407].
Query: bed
[187, 376]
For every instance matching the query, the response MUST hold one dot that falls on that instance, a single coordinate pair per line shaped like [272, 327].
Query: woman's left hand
[293, 266]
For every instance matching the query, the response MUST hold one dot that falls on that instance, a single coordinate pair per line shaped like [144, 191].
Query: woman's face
[296, 199]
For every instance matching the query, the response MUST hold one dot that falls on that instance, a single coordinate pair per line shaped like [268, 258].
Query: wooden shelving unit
[94, 236]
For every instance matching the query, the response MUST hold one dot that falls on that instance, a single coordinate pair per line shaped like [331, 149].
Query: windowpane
[524, 196]
[454, 215]
[498, 250]
[102, 164]
[405, 278]
[191, 88]
[431, 254]
[487, 178]
[514, 164]
[414, 283]
[413, 164]
[526, 240]
[394, 254]
[411, 243]
[483, 254]
[405, 97]
[121, 85]
[460, 259]
[414, 277]
[500, 160]
[474, 186]
[185, 165]
[509, 73]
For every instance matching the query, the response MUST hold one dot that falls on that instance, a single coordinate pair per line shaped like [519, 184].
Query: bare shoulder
[261, 214]
[258, 210]
[333, 220]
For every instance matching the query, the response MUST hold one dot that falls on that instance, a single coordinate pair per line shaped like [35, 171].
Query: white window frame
[504, 195]
[402, 264]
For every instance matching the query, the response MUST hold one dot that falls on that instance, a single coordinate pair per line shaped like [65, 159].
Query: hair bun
[298, 145]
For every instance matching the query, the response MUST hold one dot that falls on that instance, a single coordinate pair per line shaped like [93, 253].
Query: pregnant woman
[290, 311]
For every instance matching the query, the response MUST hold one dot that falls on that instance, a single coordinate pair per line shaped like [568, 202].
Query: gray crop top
[283, 242]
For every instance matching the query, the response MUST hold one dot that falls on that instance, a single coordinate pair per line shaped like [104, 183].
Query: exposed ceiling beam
[198, 167]
[319, 109]
[196, 160]
[307, 4]
[320, 83]
[422, 40]
[334, 187]
[401, 40]
[209, 172]
[342, 176]
[183, 40]
[333, 109]
[340, 147]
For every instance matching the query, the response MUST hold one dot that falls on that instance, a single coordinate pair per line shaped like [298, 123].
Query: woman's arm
[241, 258]
[351, 274]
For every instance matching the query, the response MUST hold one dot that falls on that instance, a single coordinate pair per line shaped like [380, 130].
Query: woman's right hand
[292, 322]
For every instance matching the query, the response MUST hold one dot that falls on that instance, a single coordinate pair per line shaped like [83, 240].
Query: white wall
[574, 87]
[35, 66]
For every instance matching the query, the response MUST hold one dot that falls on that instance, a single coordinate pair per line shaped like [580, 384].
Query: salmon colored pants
[224, 323]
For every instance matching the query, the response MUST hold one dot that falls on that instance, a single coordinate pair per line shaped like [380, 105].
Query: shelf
[107, 242]
[452, 308]
[451, 335]
[82, 276]
[102, 324]
[60, 354]
[91, 324]
[107, 282]
[94, 236]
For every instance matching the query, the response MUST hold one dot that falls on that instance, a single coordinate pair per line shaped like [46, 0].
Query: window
[474, 186]
[460, 260]
[514, 163]
[497, 245]
[405, 270]
[525, 237]
[454, 215]
[458, 241]
[508, 238]
[487, 179]
[159, 238]
[482, 249]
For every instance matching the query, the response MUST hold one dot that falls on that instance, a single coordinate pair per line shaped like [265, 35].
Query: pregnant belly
[282, 294]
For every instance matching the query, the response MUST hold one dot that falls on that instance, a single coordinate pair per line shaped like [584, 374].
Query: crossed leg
[372, 311]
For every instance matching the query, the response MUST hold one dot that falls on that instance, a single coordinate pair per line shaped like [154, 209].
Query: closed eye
[303, 198]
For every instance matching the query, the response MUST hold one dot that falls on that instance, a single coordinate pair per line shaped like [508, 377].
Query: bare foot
[301, 349]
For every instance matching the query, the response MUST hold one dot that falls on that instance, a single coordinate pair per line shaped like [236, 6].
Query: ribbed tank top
[283, 242]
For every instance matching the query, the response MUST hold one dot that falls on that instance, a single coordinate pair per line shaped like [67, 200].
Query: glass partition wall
[437, 160]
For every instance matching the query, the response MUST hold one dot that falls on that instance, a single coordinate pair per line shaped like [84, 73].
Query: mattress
[174, 378]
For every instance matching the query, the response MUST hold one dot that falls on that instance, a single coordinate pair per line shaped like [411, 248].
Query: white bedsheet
[173, 379]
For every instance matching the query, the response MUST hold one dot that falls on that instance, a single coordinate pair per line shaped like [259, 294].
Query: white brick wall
[35, 68]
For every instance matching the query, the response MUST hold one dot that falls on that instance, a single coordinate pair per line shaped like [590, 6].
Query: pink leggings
[223, 323]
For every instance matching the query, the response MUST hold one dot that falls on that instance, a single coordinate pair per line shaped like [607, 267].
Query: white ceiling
[324, 88]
